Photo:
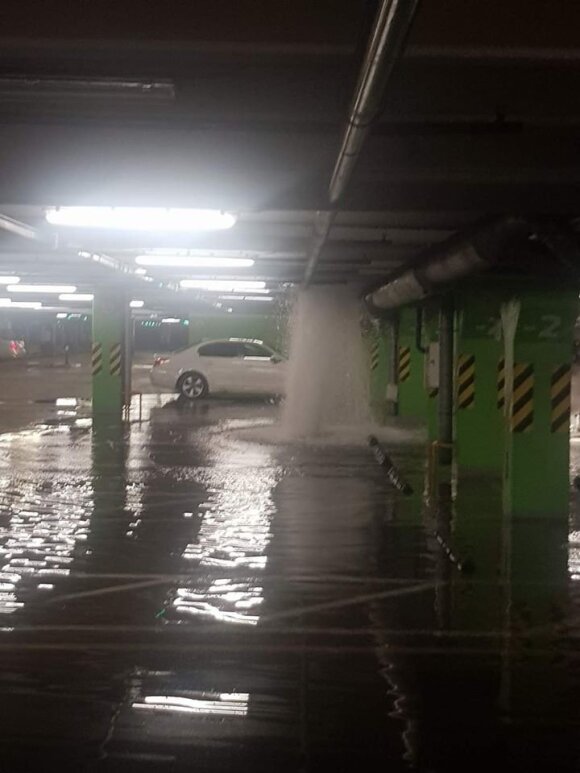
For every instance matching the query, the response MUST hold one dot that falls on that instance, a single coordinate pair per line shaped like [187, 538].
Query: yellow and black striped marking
[560, 399]
[501, 383]
[466, 381]
[115, 360]
[404, 363]
[96, 359]
[522, 417]
[375, 354]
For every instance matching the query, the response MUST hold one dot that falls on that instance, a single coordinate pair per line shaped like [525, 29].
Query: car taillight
[160, 361]
[14, 348]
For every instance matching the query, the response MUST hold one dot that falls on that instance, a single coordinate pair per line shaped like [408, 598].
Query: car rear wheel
[192, 386]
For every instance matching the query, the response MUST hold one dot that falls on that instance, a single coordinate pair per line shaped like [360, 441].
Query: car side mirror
[275, 359]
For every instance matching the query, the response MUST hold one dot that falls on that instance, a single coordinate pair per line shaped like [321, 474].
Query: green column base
[109, 308]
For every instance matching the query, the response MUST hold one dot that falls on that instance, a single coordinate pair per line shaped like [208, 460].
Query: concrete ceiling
[240, 106]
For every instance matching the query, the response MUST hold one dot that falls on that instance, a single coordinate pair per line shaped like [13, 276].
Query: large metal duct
[481, 251]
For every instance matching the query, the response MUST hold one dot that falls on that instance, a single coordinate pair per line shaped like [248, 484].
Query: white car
[235, 365]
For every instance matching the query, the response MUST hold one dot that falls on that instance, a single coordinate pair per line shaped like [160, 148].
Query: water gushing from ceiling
[327, 382]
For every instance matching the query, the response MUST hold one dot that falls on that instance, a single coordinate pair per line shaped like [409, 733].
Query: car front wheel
[192, 386]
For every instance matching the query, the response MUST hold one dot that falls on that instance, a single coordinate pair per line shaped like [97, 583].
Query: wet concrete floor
[177, 598]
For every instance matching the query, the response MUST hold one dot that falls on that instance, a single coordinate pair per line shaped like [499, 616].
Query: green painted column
[479, 429]
[535, 596]
[412, 397]
[110, 307]
[538, 333]
[431, 385]
[377, 346]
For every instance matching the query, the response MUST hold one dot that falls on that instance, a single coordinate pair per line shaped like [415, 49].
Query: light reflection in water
[574, 555]
[43, 517]
[220, 704]
[233, 537]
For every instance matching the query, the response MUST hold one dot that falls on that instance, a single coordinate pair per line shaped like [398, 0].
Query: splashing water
[328, 370]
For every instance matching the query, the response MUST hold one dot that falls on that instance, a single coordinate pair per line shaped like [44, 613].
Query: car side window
[220, 349]
[255, 350]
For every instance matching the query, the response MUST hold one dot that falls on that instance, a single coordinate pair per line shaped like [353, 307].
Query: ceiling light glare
[222, 285]
[171, 320]
[137, 304]
[258, 298]
[141, 218]
[76, 297]
[7, 303]
[9, 280]
[191, 261]
[141, 271]
[18, 288]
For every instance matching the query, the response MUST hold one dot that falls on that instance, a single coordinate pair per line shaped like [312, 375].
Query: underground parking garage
[289, 457]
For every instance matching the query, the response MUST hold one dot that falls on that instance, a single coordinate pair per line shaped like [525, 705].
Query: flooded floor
[176, 597]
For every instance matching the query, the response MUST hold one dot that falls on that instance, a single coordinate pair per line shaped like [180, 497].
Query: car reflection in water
[231, 544]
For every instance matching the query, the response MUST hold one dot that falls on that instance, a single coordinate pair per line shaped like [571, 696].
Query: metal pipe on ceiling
[391, 27]
[24, 230]
[461, 258]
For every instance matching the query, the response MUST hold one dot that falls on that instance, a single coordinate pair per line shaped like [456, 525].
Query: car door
[221, 363]
[261, 373]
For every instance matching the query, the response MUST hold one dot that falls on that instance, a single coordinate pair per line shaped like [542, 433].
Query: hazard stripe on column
[560, 399]
[501, 383]
[404, 363]
[465, 381]
[375, 354]
[115, 360]
[96, 359]
[522, 414]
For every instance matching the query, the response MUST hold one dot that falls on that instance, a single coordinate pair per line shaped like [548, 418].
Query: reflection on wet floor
[176, 597]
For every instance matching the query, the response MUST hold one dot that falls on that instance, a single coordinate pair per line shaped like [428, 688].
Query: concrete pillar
[110, 308]
[377, 348]
[431, 340]
[479, 426]
[535, 588]
[391, 340]
[412, 399]
[446, 355]
[538, 333]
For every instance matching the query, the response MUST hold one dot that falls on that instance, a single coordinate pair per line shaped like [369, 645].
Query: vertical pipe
[127, 355]
[392, 400]
[446, 316]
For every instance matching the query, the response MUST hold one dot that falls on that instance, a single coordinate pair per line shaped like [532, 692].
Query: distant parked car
[11, 349]
[234, 365]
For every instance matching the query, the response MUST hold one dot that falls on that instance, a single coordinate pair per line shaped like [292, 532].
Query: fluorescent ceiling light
[9, 280]
[41, 288]
[141, 218]
[137, 304]
[171, 320]
[222, 285]
[7, 303]
[191, 261]
[76, 297]
[62, 315]
[141, 271]
[246, 298]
